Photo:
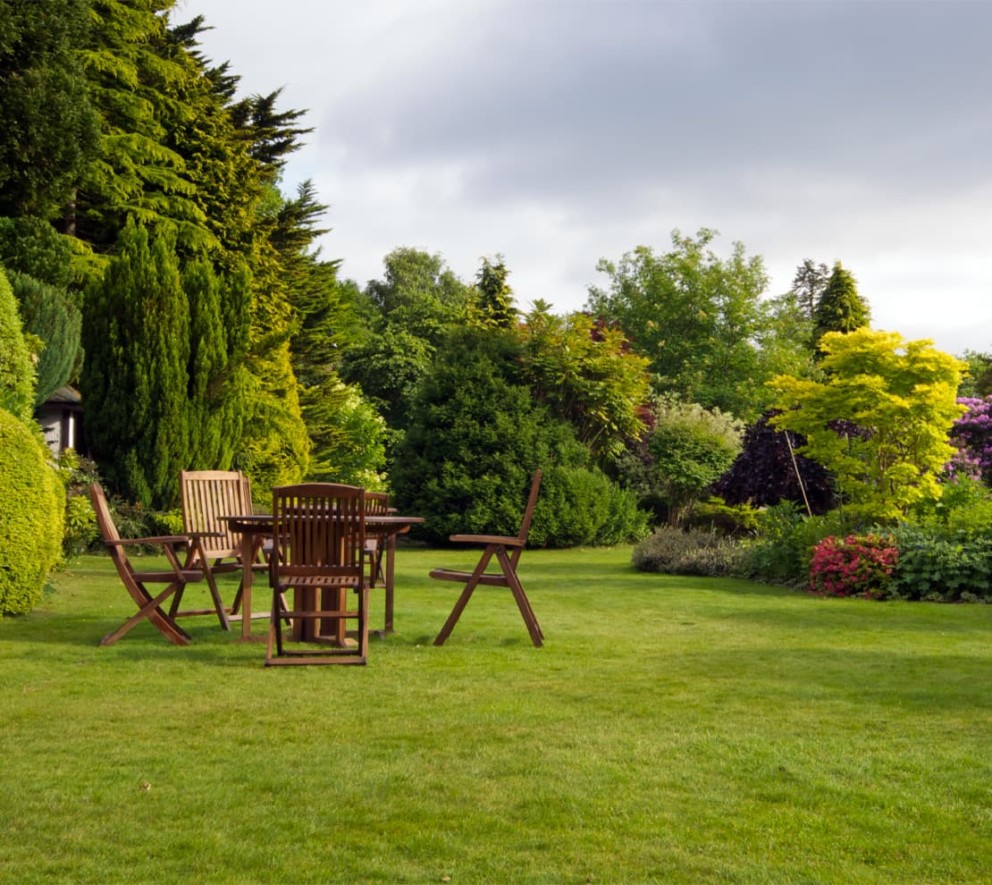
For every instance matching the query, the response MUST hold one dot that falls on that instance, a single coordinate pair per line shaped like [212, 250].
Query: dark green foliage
[765, 472]
[48, 130]
[977, 382]
[840, 308]
[31, 518]
[135, 379]
[786, 537]
[48, 313]
[217, 383]
[17, 377]
[32, 246]
[407, 315]
[273, 135]
[475, 439]
[388, 366]
[941, 566]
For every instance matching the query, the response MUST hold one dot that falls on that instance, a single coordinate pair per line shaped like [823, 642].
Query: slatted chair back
[376, 504]
[207, 495]
[319, 553]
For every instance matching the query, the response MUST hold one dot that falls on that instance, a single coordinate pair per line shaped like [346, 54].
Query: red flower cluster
[858, 565]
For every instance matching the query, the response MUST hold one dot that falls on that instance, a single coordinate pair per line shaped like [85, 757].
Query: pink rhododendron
[858, 565]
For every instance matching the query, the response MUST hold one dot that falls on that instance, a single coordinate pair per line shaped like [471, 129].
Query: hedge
[31, 518]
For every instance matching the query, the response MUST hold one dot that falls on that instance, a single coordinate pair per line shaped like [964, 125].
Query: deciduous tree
[899, 396]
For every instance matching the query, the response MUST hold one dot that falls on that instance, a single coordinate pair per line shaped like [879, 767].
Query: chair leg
[275, 630]
[150, 610]
[470, 586]
[215, 596]
[523, 603]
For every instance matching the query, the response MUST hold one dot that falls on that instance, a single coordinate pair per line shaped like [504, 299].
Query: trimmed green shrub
[16, 368]
[31, 518]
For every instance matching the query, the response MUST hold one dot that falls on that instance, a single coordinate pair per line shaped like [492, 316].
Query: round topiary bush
[31, 519]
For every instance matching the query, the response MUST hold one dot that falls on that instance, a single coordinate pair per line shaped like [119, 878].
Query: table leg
[247, 558]
[390, 542]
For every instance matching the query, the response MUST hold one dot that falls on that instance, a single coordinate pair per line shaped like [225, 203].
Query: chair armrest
[156, 540]
[504, 540]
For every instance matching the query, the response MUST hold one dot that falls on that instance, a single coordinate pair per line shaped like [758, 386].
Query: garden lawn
[671, 730]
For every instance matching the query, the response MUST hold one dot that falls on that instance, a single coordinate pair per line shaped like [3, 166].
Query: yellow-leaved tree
[878, 419]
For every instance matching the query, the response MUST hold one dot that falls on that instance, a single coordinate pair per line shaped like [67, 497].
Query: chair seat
[449, 574]
[187, 575]
[308, 582]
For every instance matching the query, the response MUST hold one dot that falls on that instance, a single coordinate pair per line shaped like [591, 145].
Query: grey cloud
[623, 93]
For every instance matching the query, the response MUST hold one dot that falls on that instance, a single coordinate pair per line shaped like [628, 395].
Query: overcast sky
[559, 132]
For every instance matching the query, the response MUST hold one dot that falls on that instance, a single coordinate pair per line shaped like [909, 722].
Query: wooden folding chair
[207, 496]
[319, 553]
[507, 551]
[176, 577]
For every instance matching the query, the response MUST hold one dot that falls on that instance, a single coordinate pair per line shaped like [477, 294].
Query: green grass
[671, 730]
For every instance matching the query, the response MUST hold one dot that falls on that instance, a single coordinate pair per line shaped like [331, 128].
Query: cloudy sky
[559, 132]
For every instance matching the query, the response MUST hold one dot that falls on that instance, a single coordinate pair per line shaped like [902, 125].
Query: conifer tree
[49, 314]
[494, 306]
[135, 378]
[840, 308]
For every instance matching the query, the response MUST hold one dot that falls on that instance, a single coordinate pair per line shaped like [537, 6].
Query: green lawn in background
[671, 730]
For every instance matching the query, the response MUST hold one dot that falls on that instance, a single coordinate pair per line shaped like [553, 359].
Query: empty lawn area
[671, 730]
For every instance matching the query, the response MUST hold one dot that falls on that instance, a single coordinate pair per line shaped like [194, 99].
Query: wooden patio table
[384, 526]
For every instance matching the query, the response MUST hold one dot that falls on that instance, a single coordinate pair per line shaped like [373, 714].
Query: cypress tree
[135, 377]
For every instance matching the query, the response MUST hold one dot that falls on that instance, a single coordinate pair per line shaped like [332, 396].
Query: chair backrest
[109, 531]
[207, 495]
[376, 502]
[535, 487]
[318, 533]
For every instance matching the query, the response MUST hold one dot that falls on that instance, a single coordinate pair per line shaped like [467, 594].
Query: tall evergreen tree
[494, 305]
[135, 83]
[135, 379]
[840, 307]
[808, 285]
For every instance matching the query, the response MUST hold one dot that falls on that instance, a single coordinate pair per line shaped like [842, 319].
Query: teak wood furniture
[506, 550]
[208, 495]
[318, 552]
[254, 527]
[176, 577]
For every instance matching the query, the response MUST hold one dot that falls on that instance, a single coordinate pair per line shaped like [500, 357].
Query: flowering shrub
[972, 434]
[858, 565]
